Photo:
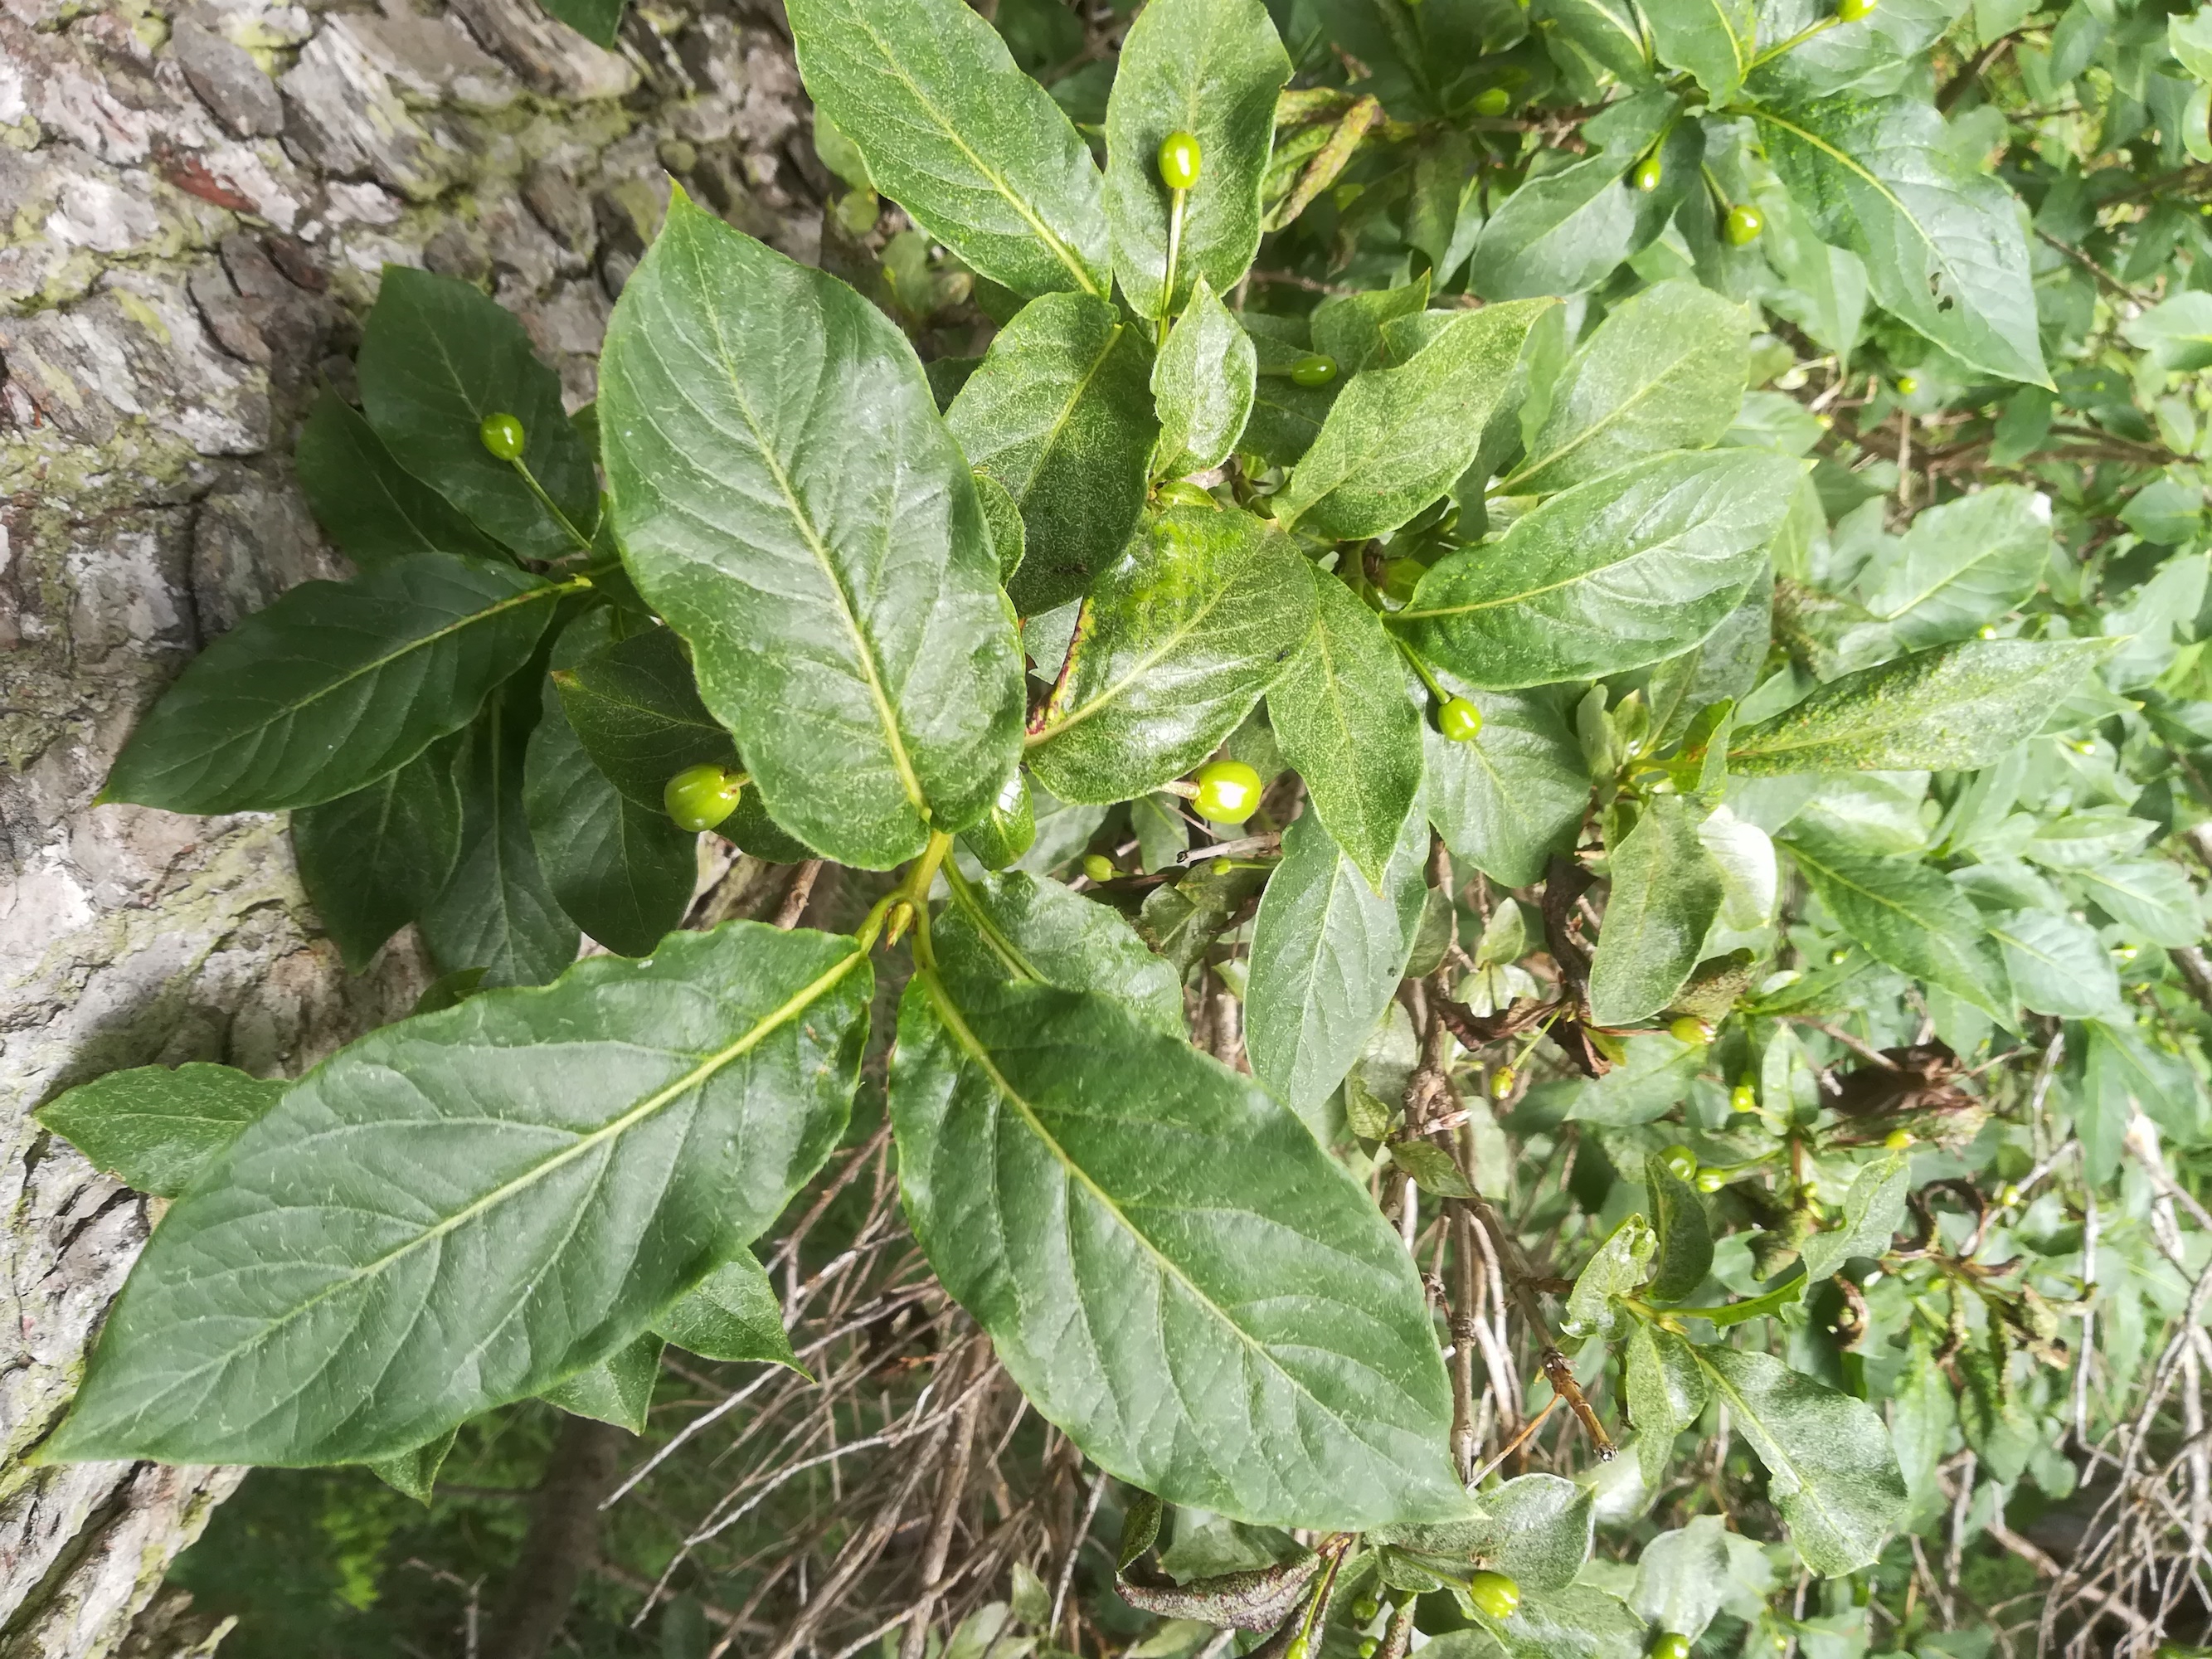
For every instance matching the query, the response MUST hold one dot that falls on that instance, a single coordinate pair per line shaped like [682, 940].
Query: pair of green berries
[1683, 1164]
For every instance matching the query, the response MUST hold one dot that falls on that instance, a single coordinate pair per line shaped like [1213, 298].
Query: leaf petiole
[583, 541]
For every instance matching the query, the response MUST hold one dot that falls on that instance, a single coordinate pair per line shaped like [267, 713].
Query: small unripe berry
[1493, 100]
[1228, 792]
[1849, 11]
[1179, 160]
[1367, 1647]
[1907, 385]
[503, 435]
[1098, 867]
[1315, 369]
[701, 797]
[1691, 1032]
[1743, 1098]
[1898, 1140]
[1501, 1082]
[1667, 1644]
[1648, 174]
[1712, 1180]
[1682, 1161]
[1460, 721]
[1364, 1609]
[1494, 1594]
[1743, 224]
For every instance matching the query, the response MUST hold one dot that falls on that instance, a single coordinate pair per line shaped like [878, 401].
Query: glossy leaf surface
[374, 860]
[1665, 892]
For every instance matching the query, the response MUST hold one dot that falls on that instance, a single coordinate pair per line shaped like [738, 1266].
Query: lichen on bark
[194, 203]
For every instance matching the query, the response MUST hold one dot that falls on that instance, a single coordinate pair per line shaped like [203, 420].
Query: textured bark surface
[195, 204]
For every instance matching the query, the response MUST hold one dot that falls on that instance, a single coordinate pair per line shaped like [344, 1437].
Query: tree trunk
[193, 211]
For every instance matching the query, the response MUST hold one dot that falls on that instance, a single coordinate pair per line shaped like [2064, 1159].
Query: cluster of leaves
[1564, 548]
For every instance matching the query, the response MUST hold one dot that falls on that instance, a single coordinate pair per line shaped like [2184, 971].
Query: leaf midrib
[1604, 424]
[1807, 1489]
[699, 1074]
[1143, 664]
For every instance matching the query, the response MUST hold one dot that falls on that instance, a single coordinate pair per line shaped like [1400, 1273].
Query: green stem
[916, 890]
[1174, 255]
[1421, 668]
[1796, 40]
[582, 541]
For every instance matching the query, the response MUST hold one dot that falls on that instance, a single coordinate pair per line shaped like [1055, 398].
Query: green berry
[1228, 792]
[1493, 100]
[1743, 1098]
[1743, 224]
[701, 797]
[1682, 1161]
[1907, 385]
[1712, 1180]
[1314, 369]
[1501, 1082]
[1179, 160]
[1669, 1645]
[1849, 11]
[1691, 1032]
[503, 435]
[1367, 1647]
[1495, 1594]
[1098, 867]
[1364, 1609]
[1648, 174]
[1460, 721]
[1898, 1140]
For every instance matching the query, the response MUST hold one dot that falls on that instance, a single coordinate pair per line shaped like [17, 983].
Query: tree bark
[194, 208]
[563, 1540]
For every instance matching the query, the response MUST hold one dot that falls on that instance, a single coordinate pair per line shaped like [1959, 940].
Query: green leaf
[155, 1129]
[616, 1390]
[1539, 1531]
[1285, 416]
[1009, 536]
[1615, 574]
[1829, 1465]
[1396, 439]
[1179, 639]
[1874, 1209]
[1713, 39]
[1202, 385]
[789, 500]
[2178, 331]
[622, 872]
[1060, 412]
[1683, 1577]
[1348, 328]
[373, 507]
[374, 860]
[1180, 920]
[1956, 707]
[1210, 67]
[635, 708]
[332, 686]
[2150, 898]
[2057, 965]
[495, 911]
[732, 1315]
[977, 153]
[1665, 1390]
[1664, 371]
[436, 357]
[1941, 240]
[1514, 796]
[1023, 927]
[1906, 915]
[1327, 952]
[1608, 31]
[1430, 1168]
[545, 1167]
[1616, 1269]
[1343, 716]
[415, 1474]
[1666, 892]
[1578, 1622]
[1686, 1233]
[1167, 1262]
[598, 21]
[1876, 54]
[1560, 233]
[1960, 563]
